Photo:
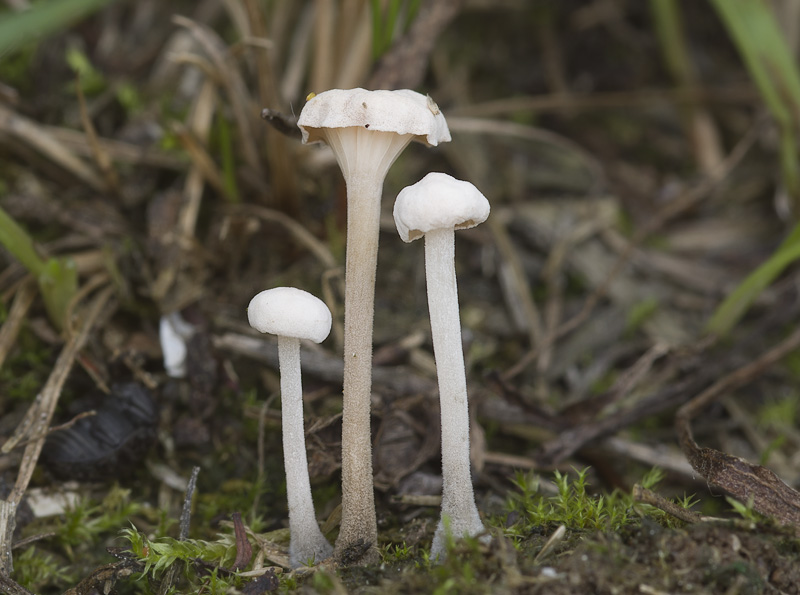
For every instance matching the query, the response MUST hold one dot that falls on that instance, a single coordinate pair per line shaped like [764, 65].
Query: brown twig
[101, 158]
[645, 496]
[58, 428]
[171, 574]
[11, 587]
[571, 440]
[19, 308]
[749, 483]
[283, 123]
[399, 379]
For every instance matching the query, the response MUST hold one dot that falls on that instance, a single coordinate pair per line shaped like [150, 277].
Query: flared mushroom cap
[402, 111]
[438, 201]
[290, 312]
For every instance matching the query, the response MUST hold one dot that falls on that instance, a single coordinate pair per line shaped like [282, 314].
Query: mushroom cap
[402, 111]
[290, 312]
[438, 201]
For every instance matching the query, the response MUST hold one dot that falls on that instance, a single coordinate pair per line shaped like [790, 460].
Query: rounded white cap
[290, 312]
[402, 111]
[438, 201]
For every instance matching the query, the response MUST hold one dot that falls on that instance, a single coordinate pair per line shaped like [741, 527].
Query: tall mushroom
[293, 314]
[435, 207]
[367, 131]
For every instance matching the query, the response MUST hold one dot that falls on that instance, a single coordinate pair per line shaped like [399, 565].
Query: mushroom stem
[458, 499]
[364, 188]
[307, 544]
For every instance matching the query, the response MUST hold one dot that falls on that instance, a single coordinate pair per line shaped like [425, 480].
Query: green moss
[38, 570]
[573, 506]
[84, 523]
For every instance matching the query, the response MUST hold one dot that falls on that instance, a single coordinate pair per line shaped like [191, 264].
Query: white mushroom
[435, 207]
[293, 314]
[367, 130]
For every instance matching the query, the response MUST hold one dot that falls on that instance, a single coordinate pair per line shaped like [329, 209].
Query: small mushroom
[293, 314]
[435, 207]
[367, 131]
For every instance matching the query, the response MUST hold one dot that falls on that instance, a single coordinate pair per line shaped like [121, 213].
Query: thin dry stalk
[518, 282]
[294, 72]
[23, 299]
[742, 94]
[530, 133]
[41, 414]
[702, 132]
[283, 177]
[356, 57]
[102, 159]
[682, 204]
[300, 233]
[205, 66]
[39, 138]
[645, 496]
[553, 276]
[233, 84]
[324, 53]
[203, 166]
[78, 143]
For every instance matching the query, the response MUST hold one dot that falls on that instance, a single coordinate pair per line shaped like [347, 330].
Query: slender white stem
[307, 542]
[458, 499]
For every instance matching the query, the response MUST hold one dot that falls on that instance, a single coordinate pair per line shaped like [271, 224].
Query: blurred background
[641, 162]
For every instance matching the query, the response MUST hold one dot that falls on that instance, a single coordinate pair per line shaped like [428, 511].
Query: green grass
[57, 277]
[740, 299]
[43, 19]
[385, 20]
[770, 63]
[755, 31]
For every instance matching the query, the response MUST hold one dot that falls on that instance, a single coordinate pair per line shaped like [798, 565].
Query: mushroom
[367, 130]
[435, 207]
[293, 314]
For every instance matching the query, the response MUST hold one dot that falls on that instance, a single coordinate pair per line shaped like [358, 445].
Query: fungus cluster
[367, 131]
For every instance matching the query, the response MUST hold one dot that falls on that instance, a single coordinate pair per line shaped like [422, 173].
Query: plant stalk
[458, 498]
[363, 226]
[307, 543]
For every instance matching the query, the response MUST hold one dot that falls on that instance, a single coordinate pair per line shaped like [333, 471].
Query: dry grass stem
[23, 299]
[42, 410]
[38, 137]
[304, 237]
[683, 203]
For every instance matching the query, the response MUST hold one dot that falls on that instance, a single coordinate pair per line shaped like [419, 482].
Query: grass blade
[737, 303]
[44, 18]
